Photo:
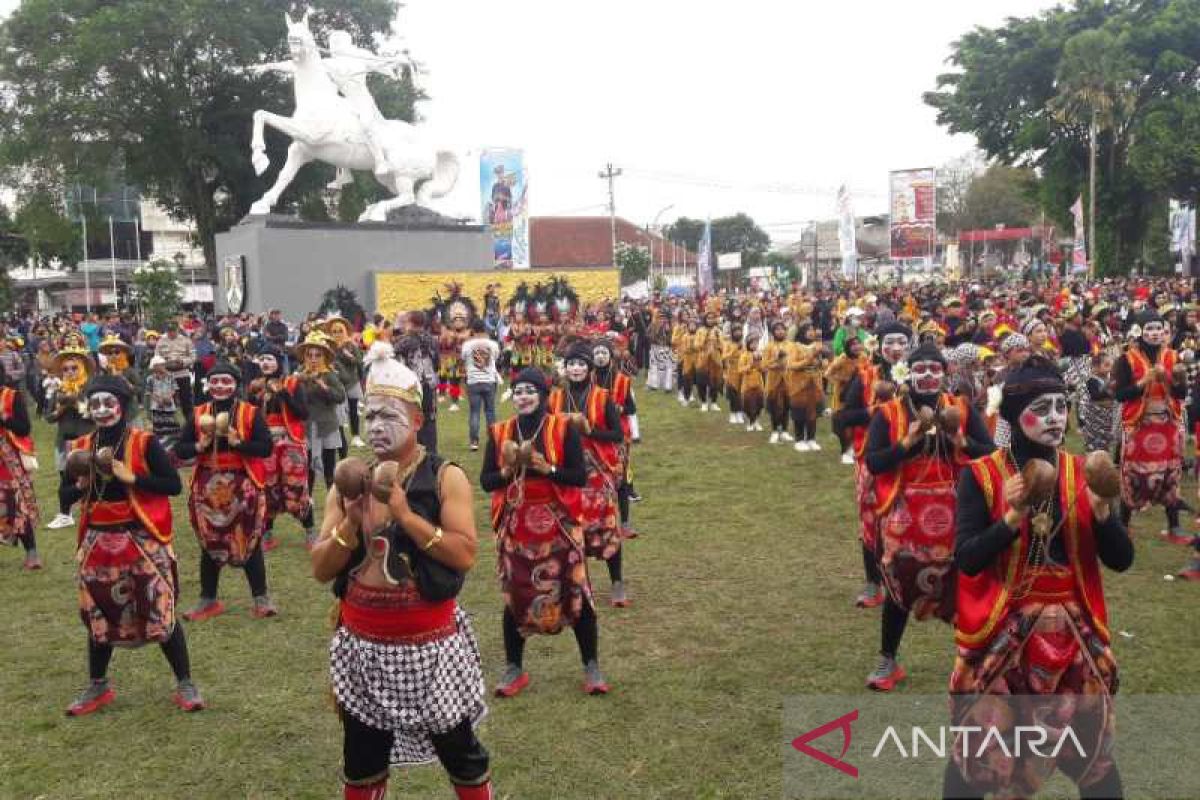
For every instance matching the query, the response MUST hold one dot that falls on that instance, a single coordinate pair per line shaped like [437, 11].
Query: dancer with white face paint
[1151, 396]
[127, 575]
[227, 503]
[17, 502]
[1030, 617]
[534, 468]
[608, 376]
[916, 445]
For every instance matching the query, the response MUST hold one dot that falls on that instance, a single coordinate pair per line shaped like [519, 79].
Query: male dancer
[18, 506]
[593, 412]
[915, 465]
[127, 576]
[404, 662]
[227, 504]
[536, 516]
[1031, 617]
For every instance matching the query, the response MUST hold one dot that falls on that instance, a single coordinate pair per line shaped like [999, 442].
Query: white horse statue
[346, 129]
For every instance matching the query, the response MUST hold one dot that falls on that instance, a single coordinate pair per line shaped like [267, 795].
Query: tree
[685, 231]
[157, 287]
[1000, 196]
[160, 88]
[954, 178]
[48, 235]
[634, 262]
[740, 234]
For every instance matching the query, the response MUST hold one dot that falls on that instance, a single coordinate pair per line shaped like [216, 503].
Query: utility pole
[610, 174]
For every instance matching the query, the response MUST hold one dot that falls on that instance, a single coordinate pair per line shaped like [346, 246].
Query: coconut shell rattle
[1102, 475]
[383, 479]
[1040, 477]
[352, 477]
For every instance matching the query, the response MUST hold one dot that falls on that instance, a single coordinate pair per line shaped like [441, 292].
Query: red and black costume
[857, 404]
[285, 476]
[18, 505]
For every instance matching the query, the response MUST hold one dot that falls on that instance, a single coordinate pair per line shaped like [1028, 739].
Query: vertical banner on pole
[1079, 254]
[704, 279]
[913, 205]
[504, 185]
[846, 238]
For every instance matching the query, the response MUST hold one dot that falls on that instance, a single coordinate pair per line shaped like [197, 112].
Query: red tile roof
[586, 242]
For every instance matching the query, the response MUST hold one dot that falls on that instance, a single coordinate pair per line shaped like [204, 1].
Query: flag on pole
[846, 238]
[704, 263]
[1079, 256]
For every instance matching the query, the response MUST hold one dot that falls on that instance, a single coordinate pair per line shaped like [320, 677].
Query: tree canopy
[738, 233]
[160, 88]
[1030, 90]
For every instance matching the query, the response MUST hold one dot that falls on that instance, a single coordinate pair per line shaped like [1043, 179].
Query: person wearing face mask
[915, 465]
[775, 356]
[859, 401]
[536, 514]
[127, 574]
[227, 504]
[619, 386]
[1031, 617]
[286, 469]
[592, 410]
[18, 505]
[66, 407]
[404, 663]
[1151, 395]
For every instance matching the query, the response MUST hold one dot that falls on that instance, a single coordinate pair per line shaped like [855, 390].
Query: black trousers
[186, 402]
[366, 750]
[256, 574]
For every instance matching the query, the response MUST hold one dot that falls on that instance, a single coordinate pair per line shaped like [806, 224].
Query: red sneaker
[263, 608]
[206, 610]
[1192, 571]
[95, 697]
[870, 597]
[1176, 537]
[187, 697]
[886, 675]
[269, 543]
[32, 564]
[628, 532]
[593, 680]
[513, 683]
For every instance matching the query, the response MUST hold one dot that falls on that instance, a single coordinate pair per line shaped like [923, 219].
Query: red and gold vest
[8, 401]
[868, 373]
[153, 511]
[285, 418]
[597, 399]
[621, 386]
[242, 419]
[1139, 365]
[984, 599]
[538, 488]
[889, 485]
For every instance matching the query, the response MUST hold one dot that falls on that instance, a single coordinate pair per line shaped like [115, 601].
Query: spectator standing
[479, 354]
[179, 354]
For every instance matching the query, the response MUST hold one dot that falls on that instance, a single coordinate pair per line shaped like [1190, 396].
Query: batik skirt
[415, 691]
[864, 496]
[600, 510]
[127, 586]
[917, 549]
[1047, 667]
[228, 512]
[286, 479]
[1100, 423]
[1151, 464]
[542, 567]
[661, 374]
[18, 505]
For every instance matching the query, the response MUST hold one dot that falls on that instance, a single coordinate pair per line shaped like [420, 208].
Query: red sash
[537, 489]
[295, 427]
[621, 386]
[984, 599]
[8, 401]
[889, 484]
[606, 452]
[1133, 410]
[867, 375]
[242, 419]
[153, 511]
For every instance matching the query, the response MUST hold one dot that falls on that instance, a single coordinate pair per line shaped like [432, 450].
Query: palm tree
[1097, 84]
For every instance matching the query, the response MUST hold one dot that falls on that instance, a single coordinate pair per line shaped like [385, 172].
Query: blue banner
[503, 184]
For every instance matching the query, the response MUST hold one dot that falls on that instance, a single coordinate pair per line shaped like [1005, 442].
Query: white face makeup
[105, 409]
[1044, 421]
[1154, 333]
[222, 387]
[927, 377]
[525, 398]
[576, 370]
[267, 364]
[894, 346]
[601, 356]
[390, 425]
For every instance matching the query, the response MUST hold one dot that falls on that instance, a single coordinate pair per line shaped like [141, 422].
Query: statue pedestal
[289, 264]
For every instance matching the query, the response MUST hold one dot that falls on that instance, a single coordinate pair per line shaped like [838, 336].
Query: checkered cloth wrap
[411, 690]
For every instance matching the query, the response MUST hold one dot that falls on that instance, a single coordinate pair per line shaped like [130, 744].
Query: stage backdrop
[504, 188]
[409, 291]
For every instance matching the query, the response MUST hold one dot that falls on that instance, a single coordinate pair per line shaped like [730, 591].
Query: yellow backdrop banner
[409, 291]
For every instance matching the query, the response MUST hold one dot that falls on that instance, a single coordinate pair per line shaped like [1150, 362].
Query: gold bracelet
[337, 537]
[434, 540]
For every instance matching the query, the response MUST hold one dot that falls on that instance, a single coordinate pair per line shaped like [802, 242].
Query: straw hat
[316, 340]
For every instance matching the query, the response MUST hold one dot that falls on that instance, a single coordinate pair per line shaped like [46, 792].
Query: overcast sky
[704, 105]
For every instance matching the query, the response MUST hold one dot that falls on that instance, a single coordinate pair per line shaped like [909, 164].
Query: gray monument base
[289, 264]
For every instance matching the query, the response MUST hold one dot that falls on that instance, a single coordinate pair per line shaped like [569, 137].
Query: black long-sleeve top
[571, 472]
[1127, 388]
[604, 377]
[19, 422]
[978, 541]
[882, 456]
[853, 413]
[1098, 390]
[296, 403]
[612, 417]
[259, 445]
[163, 478]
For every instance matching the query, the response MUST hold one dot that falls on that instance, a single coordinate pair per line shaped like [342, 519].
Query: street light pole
[654, 226]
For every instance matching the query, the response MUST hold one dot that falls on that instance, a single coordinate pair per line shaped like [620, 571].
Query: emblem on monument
[338, 122]
[235, 285]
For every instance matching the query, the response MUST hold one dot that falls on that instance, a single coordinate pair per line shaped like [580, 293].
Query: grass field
[742, 582]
